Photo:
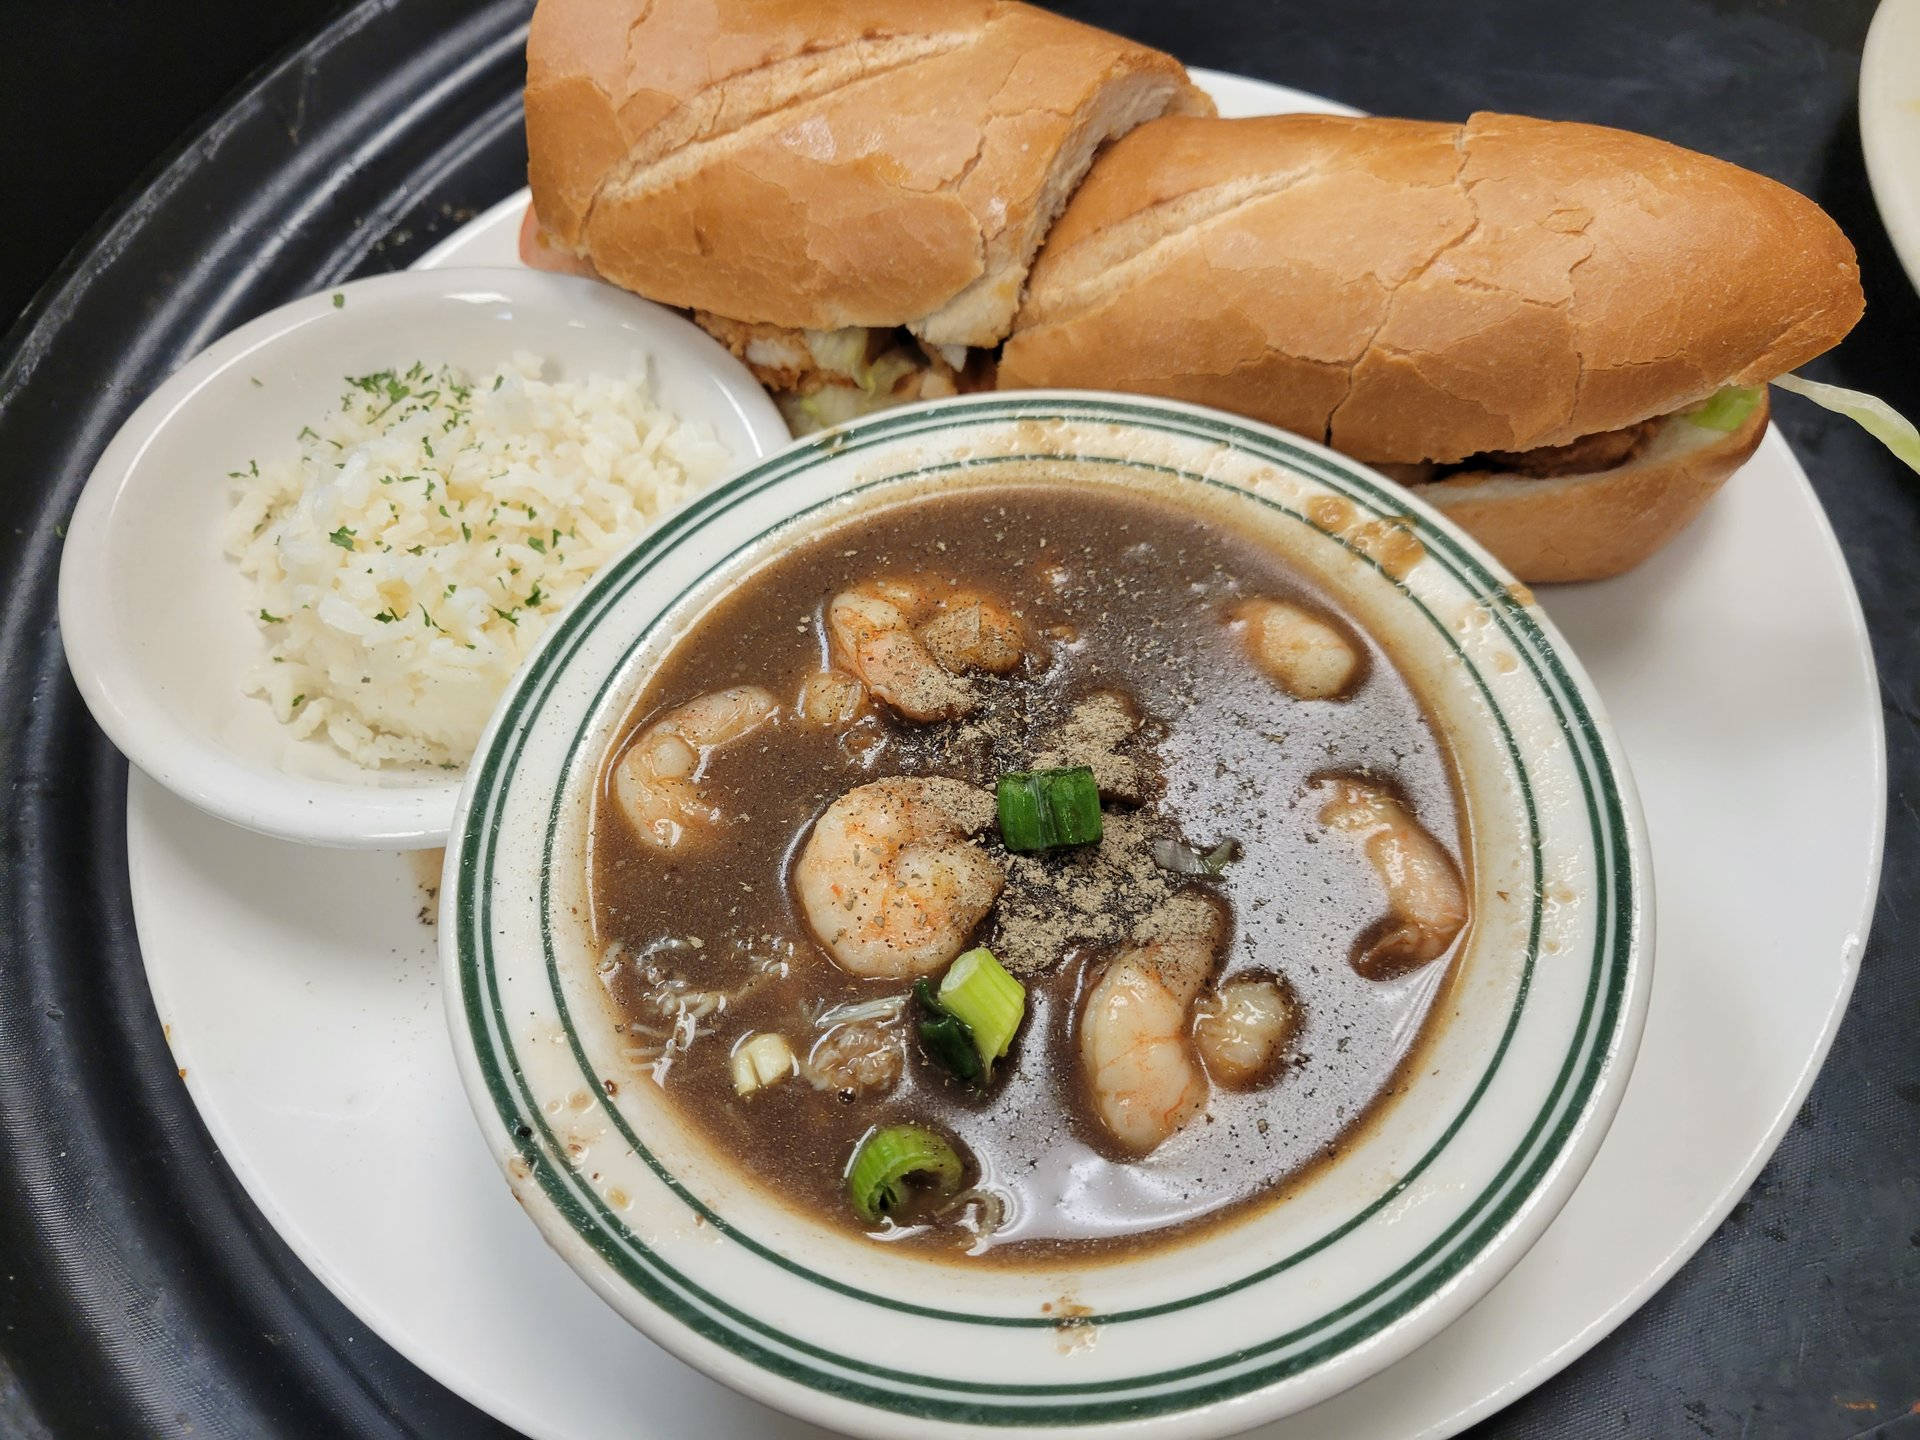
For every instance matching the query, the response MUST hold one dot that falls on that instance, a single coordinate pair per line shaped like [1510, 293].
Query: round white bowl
[1422, 1211]
[156, 620]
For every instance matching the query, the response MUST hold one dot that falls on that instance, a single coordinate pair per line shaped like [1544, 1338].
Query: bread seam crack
[586, 211]
[972, 163]
[980, 143]
[1393, 291]
[1579, 352]
[959, 177]
[646, 14]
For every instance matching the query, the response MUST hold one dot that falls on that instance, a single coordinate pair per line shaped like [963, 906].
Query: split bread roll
[1431, 296]
[869, 163]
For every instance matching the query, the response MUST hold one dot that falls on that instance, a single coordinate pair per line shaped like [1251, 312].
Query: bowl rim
[1501, 1237]
[283, 804]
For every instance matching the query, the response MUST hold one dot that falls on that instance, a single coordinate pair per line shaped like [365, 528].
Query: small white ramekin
[155, 618]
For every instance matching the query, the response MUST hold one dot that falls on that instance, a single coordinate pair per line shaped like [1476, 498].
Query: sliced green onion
[947, 1038]
[891, 1155]
[840, 352]
[1040, 809]
[979, 993]
[1727, 408]
[1869, 412]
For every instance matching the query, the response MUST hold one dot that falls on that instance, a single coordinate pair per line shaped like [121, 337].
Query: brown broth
[1144, 587]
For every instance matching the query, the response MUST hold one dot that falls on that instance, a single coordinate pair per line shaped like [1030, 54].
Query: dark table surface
[139, 1292]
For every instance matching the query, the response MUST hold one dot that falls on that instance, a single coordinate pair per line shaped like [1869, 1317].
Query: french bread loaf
[819, 166]
[1408, 291]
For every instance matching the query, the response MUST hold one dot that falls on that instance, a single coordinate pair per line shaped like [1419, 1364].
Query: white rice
[429, 528]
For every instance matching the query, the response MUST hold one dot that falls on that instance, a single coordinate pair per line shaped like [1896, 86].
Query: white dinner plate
[1890, 124]
[300, 992]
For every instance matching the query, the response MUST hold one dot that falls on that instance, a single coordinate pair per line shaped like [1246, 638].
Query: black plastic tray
[140, 1292]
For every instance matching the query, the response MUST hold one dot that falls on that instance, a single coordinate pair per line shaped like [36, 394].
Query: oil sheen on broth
[1127, 598]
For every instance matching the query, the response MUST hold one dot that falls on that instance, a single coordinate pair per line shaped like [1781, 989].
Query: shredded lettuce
[1727, 408]
[846, 353]
[828, 406]
[1869, 412]
[840, 352]
[879, 377]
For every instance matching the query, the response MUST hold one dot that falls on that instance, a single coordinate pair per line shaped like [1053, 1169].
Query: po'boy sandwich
[1557, 333]
[847, 195]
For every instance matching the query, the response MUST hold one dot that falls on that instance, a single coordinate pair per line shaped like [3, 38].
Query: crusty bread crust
[809, 165]
[1410, 291]
[1588, 527]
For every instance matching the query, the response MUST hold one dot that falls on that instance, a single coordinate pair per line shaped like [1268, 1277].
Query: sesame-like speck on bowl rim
[1416, 1218]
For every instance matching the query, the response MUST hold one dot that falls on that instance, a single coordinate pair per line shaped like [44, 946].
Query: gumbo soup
[1026, 869]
